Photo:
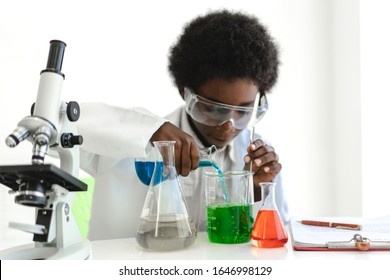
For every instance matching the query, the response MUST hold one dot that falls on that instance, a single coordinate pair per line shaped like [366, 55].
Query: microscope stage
[12, 176]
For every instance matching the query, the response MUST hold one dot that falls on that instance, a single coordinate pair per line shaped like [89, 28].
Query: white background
[327, 117]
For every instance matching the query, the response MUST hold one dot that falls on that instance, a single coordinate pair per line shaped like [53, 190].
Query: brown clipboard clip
[361, 243]
[358, 242]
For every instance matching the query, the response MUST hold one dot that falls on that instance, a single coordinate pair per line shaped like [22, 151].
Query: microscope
[51, 130]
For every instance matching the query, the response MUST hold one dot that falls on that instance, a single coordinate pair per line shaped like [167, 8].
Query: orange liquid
[268, 231]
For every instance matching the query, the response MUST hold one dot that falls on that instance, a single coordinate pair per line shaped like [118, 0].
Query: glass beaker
[268, 230]
[229, 200]
[165, 223]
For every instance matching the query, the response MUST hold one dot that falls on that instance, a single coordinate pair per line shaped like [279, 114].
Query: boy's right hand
[186, 149]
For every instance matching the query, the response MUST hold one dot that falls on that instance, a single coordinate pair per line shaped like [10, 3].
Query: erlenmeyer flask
[165, 222]
[144, 167]
[268, 230]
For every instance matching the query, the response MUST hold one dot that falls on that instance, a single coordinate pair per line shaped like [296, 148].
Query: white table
[124, 253]
[202, 249]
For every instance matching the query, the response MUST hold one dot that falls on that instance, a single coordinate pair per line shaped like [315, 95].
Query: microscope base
[33, 251]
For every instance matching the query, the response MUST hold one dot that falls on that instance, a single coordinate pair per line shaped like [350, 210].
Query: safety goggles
[213, 113]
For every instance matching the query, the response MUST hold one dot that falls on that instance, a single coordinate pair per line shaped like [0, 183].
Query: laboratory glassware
[207, 157]
[144, 167]
[268, 230]
[165, 223]
[229, 200]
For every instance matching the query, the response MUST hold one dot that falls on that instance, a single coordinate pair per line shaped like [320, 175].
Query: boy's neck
[198, 134]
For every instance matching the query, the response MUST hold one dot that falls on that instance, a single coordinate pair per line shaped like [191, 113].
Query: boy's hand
[265, 164]
[186, 149]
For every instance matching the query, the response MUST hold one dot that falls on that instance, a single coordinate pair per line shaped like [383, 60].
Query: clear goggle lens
[213, 113]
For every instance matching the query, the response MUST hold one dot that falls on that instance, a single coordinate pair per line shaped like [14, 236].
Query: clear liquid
[170, 232]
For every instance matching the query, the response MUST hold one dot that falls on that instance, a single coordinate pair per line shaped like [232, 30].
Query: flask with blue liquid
[144, 167]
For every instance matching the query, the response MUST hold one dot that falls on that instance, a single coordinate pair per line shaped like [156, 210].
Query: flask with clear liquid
[165, 223]
[268, 230]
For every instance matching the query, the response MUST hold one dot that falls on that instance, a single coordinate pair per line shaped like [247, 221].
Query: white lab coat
[113, 137]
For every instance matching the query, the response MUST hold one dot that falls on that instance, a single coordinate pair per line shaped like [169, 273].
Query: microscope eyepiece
[56, 56]
[17, 136]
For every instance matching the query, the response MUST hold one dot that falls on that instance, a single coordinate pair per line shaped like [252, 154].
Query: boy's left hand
[265, 163]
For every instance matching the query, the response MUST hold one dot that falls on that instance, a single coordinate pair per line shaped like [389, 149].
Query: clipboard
[374, 236]
[357, 243]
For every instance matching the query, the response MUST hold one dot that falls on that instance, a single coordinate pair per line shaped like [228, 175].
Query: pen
[332, 225]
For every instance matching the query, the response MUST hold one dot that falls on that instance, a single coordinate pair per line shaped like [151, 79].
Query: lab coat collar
[186, 127]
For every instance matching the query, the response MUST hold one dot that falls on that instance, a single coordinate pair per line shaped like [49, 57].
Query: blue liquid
[206, 163]
[145, 170]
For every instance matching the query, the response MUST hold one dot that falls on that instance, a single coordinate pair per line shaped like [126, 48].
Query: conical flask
[268, 230]
[165, 223]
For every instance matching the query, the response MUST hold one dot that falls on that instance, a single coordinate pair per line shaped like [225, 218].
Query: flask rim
[228, 173]
[164, 143]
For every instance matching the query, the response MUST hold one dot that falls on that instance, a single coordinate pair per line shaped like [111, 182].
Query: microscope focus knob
[68, 140]
[73, 111]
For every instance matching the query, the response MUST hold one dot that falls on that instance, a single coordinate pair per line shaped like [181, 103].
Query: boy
[222, 65]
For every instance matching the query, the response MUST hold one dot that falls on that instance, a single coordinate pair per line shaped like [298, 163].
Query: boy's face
[238, 92]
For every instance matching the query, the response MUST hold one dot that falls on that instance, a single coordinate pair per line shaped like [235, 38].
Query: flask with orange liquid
[268, 230]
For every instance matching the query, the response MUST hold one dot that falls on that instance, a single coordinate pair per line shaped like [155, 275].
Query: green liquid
[229, 224]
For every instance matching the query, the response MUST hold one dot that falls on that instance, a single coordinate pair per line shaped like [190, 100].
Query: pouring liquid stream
[222, 184]
[145, 171]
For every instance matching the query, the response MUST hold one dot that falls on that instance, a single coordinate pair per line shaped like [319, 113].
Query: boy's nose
[227, 125]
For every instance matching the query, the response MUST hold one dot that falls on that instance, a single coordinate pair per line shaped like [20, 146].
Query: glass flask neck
[268, 196]
[166, 150]
[207, 158]
[207, 153]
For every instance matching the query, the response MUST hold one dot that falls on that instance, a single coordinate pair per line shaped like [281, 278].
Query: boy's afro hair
[226, 45]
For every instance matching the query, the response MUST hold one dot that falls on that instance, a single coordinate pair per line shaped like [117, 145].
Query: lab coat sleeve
[116, 132]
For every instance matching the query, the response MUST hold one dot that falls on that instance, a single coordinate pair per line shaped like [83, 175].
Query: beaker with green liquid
[229, 201]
